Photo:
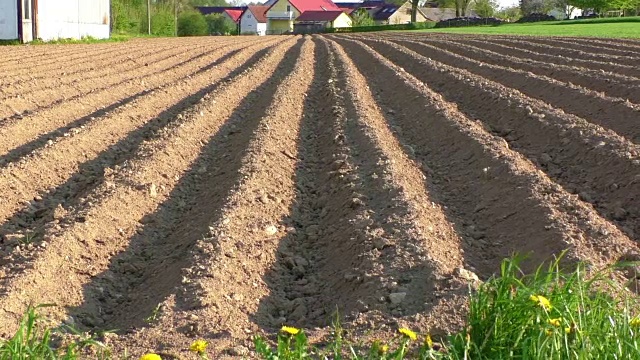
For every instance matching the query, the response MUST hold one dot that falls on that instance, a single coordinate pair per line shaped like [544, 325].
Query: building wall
[73, 19]
[249, 24]
[279, 26]
[342, 21]
[276, 26]
[262, 29]
[403, 15]
[8, 19]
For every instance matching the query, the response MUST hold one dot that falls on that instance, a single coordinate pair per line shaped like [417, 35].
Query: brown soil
[610, 82]
[217, 188]
[561, 51]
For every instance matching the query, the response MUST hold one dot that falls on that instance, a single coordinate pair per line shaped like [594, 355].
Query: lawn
[616, 29]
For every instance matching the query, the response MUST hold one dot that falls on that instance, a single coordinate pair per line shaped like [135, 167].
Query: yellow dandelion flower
[573, 329]
[199, 346]
[384, 349]
[549, 332]
[150, 357]
[542, 301]
[408, 333]
[555, 322]
[290, 330]
[635, 322]
[428, 342]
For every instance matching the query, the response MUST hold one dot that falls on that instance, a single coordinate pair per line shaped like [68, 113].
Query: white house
[254, 20]
[26, 20]
[560, 13]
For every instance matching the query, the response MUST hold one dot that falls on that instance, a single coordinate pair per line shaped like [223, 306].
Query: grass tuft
[33, 340]
[550, 314]
[600, 28]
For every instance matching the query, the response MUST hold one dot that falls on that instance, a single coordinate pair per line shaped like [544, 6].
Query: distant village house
[318, 21]
[254, 21]
[282, 15]
[391, 14]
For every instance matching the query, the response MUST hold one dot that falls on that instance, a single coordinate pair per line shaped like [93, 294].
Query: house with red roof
[254, 20]
[232, 13]
[283, 13]
[316, 21]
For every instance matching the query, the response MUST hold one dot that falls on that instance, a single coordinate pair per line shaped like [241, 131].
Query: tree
[207, 3]
[414, 10]
[219, 24]
[485, 8]
[361, 17]
[627, 6]
[461, 6]
[596, 5]
[564, 6]
[510, 14]
[536, 6]
[192, 23]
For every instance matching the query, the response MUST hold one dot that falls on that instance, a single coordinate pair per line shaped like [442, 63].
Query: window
[26, 9]
[288, 8]
[249, 16]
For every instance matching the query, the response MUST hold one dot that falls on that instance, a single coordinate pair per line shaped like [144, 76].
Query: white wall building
[254, 20]
[27, 20]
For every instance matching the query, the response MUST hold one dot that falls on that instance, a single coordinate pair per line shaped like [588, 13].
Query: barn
[26, 20]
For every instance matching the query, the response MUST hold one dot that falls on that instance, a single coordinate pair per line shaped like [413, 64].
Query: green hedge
[411, 26]
[624, 19]
[192, 23]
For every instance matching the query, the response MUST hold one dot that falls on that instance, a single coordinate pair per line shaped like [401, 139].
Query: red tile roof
[347, 11]
[318, 5]
[319, 15]
[259, 12]
[234, 14]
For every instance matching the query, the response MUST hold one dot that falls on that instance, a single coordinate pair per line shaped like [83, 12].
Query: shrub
[468, 21]
[410, 26]
[126, 16]
[219, 24]
[163, 21]
[192, 23]
[535, 18]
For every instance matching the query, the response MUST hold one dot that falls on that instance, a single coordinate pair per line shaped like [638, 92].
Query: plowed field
[215, 188]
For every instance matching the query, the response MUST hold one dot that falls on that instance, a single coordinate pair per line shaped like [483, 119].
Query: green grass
[84, 40]
[603, 28]
[550, 314]
[34, 340]
[547, 315]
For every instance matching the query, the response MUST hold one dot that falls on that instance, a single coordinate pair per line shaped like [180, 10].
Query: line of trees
[627, 7]
[131, 17]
